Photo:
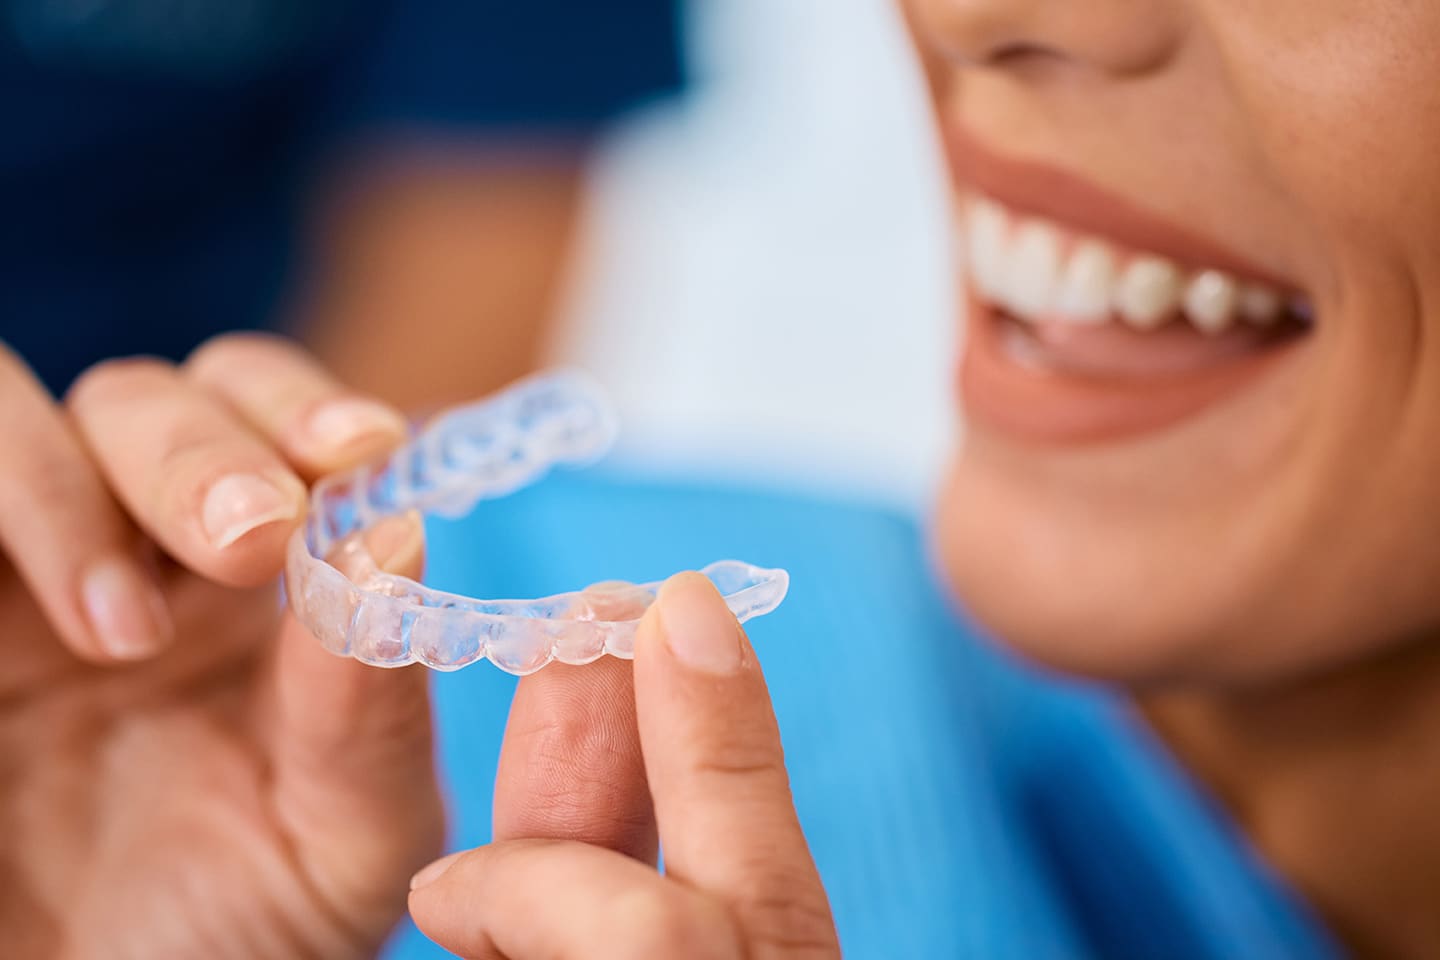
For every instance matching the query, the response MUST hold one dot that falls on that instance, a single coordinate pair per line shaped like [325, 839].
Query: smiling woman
[1204, 397]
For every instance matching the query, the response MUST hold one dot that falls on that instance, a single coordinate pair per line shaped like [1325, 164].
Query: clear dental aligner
[475, 452]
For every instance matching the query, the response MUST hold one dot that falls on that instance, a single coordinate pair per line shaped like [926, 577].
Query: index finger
[570, 766]
[717, 773]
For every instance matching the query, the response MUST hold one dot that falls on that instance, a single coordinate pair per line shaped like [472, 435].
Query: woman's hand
[571, 874]
[184, 772]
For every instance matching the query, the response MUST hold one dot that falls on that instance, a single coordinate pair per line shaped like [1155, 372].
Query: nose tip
[1117, 36]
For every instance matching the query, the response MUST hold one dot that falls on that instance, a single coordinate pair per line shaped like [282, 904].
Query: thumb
[717, 773]
[352, 753]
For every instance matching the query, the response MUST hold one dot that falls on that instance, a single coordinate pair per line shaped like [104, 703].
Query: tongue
[1114, 350]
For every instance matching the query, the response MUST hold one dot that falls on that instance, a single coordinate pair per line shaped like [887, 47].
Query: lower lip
[1058, 407]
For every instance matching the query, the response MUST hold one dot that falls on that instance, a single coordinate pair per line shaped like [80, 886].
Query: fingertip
[433, 871]
[127, 614]
[686, 583]
[397, 544]
[238, 504]
[346, 431]
[692, 621]
[245, 519]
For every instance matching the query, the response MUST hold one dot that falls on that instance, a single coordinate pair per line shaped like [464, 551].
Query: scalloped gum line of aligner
[393, 621]
[1037, 269]
[387, 630]
[442, 640]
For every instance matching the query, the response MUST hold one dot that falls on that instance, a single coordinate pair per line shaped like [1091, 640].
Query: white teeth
[1210, 301]
[1039, 272]
[988, 225]
[1033, 268]
[1259, 305]
[1086, 285]
[1148, 292]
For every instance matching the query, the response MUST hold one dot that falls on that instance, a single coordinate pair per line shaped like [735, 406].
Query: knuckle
[737, 758]
[794, 927]
[44, 487]
[784, 907]
[222, 353]
[119, 380]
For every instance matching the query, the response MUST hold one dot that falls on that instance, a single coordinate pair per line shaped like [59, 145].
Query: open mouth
[1078, 336]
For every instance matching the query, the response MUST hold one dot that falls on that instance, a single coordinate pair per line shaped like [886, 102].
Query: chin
[1132, 597]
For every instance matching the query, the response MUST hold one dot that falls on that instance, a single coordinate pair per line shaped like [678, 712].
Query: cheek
[1344, 114]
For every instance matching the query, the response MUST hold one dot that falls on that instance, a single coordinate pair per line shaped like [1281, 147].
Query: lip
[1050, 407]
[1044, 191]
[1057, 406]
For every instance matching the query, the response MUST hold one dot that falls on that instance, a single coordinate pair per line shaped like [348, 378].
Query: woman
[1202, 408]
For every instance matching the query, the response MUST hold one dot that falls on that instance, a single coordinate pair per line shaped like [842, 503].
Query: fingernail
[343, 423]
[434, 871]
[698, 628]
[241, 502]
[126, 611]
[392, 542]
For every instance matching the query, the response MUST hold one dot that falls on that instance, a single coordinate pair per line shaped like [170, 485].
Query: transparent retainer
[471, 453]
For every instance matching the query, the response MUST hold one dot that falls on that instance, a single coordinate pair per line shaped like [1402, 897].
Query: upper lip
[1054, 194]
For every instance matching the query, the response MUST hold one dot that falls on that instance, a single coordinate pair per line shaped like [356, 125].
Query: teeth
[1085, 287]
[1148, 293]
[1259, 305]
[1210, 301]
[988, 226]
[1038, 271]
[1034, 266]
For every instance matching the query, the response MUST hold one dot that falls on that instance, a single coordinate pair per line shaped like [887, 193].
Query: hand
[184, 772]
[571, 874]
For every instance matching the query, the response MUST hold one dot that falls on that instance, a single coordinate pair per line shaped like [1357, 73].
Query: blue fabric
[154, 153]
[958, 804]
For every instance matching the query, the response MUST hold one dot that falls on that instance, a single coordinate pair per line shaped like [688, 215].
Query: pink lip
[1057, 405]
[1054, 194]
[1062, 408]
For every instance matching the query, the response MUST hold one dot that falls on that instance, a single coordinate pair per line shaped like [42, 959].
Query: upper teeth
[1037, 270]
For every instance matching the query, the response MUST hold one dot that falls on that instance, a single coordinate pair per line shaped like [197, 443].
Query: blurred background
[763, 274]
[730, 210]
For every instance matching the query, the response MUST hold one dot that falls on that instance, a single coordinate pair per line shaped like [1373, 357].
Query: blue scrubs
[958, 804]
[155, 155]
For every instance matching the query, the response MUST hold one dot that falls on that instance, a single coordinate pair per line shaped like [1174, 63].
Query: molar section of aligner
[449, 638]
[332, 506]
[748, 591]
[377, 490]
[380, 631]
